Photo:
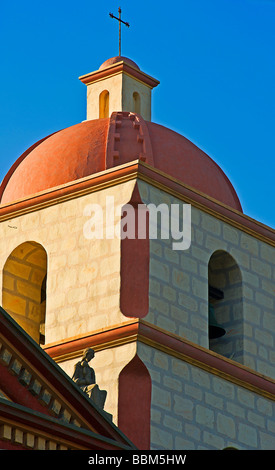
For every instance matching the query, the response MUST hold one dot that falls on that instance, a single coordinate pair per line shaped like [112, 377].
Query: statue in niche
[84, 377]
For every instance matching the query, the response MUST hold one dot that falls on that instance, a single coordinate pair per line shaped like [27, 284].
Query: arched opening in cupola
[225, 306]
[24, 288]
[136, 101]
[104, 104]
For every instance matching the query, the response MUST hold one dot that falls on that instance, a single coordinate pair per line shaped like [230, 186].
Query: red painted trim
[18, 393]
[118, 144]
[134, 264]
[111, 141]
[134, 403]
[208, 358]
[92, 340]
[138, 169]
[6, 445]
[58, 382]
[68, 189]
[141, 330]
[206, 201]
[78, 437]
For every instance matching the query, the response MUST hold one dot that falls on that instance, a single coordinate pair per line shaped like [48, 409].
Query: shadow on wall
[24, 288]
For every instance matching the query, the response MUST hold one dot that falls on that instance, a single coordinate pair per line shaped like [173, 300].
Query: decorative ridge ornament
[120, 124]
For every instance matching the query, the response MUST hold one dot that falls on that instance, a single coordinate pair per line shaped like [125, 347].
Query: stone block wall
[83, 275]
[192, 409]
[107, 364]
[179, 285]
[23, 275]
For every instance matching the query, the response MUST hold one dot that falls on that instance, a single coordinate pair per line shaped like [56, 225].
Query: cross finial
[119, 21]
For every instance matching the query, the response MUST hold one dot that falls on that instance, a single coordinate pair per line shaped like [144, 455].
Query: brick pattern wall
[179, 284]
[192, 409]
[83, 275]
[23, 275]
[107, 364]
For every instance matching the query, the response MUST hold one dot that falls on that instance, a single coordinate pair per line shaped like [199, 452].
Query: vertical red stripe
[134, 403]
[134, 267]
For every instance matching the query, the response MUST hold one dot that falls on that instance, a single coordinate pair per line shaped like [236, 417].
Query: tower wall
[108, 364]
[131, 86]
[121, 88]
[178, 287]
[83, 275]
[113, 85]
[193, 409]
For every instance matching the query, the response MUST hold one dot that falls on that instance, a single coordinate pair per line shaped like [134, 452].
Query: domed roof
[115, 60]
[96, 145]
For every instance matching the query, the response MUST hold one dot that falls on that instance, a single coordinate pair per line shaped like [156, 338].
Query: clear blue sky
[215, 60]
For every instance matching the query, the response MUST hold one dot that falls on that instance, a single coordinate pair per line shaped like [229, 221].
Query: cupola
[117, 130]
[118, 85]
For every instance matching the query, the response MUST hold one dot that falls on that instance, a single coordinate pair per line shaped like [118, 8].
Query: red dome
[93, 146]
[115, 60]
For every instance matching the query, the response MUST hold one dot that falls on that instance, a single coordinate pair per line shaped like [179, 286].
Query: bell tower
[183, 336]
[118, 85]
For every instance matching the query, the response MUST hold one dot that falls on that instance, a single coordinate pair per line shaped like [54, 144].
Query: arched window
[104, 104]
[24, 288]
[225, 306]
[136, 101]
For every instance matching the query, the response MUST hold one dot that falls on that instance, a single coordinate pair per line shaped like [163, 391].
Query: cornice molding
[144, 172]
[141, 331]
[26, 365]
[23, 428]
[115, 69]
[72, 190]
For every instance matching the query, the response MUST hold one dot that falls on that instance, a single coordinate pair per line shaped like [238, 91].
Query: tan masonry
[135, 170]
[23, 275]
[112, 342]
[83, 276]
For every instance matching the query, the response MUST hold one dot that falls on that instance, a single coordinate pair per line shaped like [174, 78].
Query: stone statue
[84, 377]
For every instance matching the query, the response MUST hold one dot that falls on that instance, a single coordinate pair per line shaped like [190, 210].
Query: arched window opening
[24, 288]
[104, 104]
[225, 306]
[136, 100]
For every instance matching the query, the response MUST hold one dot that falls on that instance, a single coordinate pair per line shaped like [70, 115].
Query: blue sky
[214, 58]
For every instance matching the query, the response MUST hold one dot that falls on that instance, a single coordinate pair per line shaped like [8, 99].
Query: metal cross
[120, 21]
